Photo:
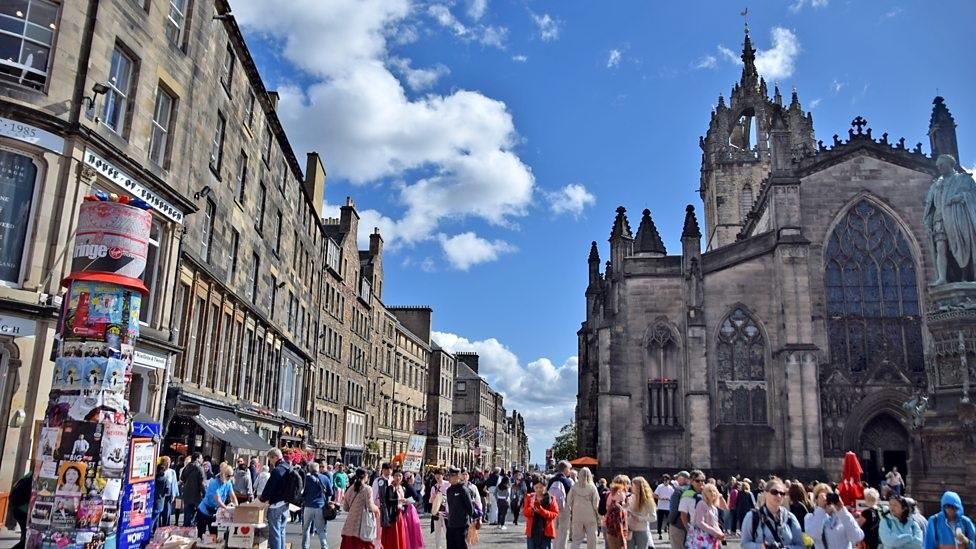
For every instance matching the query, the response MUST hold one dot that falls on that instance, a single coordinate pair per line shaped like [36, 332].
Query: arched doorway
[883, 444]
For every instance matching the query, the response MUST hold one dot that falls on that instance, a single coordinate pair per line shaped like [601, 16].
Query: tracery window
[873, 314]
[662, 371]
[741, 370]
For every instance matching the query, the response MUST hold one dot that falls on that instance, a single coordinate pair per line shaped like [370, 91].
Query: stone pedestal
[943, 454]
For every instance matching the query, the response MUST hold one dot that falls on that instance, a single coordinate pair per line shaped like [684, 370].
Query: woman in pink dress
[415, 535]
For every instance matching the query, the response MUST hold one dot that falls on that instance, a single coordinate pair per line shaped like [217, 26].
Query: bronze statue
[950, 218]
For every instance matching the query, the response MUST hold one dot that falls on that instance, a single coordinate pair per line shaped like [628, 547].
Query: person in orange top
[540, 511]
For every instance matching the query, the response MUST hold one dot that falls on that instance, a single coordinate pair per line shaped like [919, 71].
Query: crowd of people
[391, 509]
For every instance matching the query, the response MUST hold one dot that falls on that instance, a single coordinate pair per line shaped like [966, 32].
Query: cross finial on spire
[749, 73]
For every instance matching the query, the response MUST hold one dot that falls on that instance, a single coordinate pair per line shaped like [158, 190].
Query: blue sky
[491, 140]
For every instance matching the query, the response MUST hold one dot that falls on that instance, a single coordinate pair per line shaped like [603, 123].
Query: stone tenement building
[798, 335]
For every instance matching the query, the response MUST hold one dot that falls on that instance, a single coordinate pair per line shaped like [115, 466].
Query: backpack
[294, 487]
[756, 519]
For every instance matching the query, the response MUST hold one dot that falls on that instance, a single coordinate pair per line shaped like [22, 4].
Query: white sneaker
[503, 527]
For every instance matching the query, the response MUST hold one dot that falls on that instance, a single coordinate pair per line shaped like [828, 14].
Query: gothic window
[741, 370]
[745, 201]
[873, 316]
[662, 371]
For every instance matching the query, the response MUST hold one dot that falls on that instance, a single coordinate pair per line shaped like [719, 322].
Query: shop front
[213, 430]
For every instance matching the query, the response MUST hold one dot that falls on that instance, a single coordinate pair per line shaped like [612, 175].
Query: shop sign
[187, 410]
[149, 360]
[29, 134]
[127, 182]
[16, 326]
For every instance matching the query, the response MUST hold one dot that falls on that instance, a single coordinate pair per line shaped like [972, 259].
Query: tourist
[274, 494]
[640, 513]
[689, 498]
[394, 533]
[438, 510]
[950, 526]
[491, 486]
[503, 494]
[800, 505]
[357, 502]
[616, 519]
[744, 503]
[676, 529]
[162, 494]
[411, 520]
[895, 481]
[340, 480]
[582, 504]
[733, 496]
[831, 525]
[705, 531]
[194, 485]
[517, 496]
[662, 495]
[473, 492]
[243, 485]
[870, 519]
[19, 501]
[559, 486]
[602, 489]
[460, 510]
[771, 524]
[896, 529]
[219, 490]
[261, 476]
[316, 494]
[916, 515]
[540, 511]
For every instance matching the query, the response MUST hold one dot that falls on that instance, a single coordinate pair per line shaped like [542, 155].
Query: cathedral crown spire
[594, 253]
[621, 227]
[942, 130]
[749, 72]
[648, 238]
[691, 229]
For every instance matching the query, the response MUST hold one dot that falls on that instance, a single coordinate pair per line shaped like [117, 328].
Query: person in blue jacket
[950, 527]
[772, 525]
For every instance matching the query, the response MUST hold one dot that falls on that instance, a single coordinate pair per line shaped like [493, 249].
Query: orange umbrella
[584, 461]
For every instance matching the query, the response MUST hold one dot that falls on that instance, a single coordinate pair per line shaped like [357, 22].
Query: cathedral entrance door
[883, 444]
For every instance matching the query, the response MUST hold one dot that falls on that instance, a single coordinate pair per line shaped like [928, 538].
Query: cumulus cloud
[774, 63]
[815, 103]
[451, 156]
[837, 85]
[477, 9]
[706, 62]
[544, 411]
[614, 59]
[418, 79]
[520, 58]
[465, 250]
[798, 5]
[485, 34]
[548, 26]
[571, 199]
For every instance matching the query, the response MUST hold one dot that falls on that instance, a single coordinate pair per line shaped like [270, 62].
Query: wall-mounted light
[205, 191]
[17, 419]
[98, 88]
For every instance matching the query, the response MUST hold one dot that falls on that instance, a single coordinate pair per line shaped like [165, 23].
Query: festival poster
[57, 413]
[142, 459]
[115, 444]
[90, 512]
[42, 507]
[46, 477]
[110, 514]
[139, 504]
[50, 440]
[60, 373]
[72, 372]
[93, 374]
[71, 478]
[112, 489]
[86, 408]
[65, 512]
[80, 440]
[114, 375]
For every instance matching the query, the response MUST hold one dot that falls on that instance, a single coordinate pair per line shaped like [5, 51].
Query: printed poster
[42, 507]
[86, 408]
[46, 478]
[80, 440]
[90, 512]
[143, 459]
[50, 440]
[110, 515]
[115, 444]
[71, 477]
[140, 501]
[65, 512]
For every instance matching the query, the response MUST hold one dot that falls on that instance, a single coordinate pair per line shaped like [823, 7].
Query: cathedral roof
[860, 141]
[648, 239]
[621, 227]
[691, 229]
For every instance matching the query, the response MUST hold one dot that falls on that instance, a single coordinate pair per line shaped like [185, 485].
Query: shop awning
[231, 429]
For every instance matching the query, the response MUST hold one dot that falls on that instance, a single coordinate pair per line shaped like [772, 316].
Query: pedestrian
[252, 469]
[473, 492]
[690, 498]
[540, 511]
[831, 525]
[916, 515]
[559, 486]
[662, 496]
[161, 493]
[243, 486]
[438, 510]
[744, 503]
[394, 534]
[895, 481]
[676, 529]
[897, 530]
[340, 480]
[219, 490]
[582, 505]
[950, 526]
[380, 485]
[194, 486]
[411, 519]
[870, 519]
[733, 497]
[772, 524]
[640, 513]
[503, 494]
[460, 511]
[261, 476]
[800, 504]
[19, 501]
[317, 494]
[275, 494]
[602, 489]
[358, 504]
[705, 531]
[517, 496]
[491, 487]
[617, 529]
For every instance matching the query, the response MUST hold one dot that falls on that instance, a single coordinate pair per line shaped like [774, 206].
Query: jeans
[204, 522]
[516, 510]
[313, 518]
[277, 518]
[502, 511]
[640, 540]
[544, 543]
[662, 518]
[189, 512]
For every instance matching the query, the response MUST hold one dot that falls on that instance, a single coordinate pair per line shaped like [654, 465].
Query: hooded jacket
[896, 534]
[940, 534]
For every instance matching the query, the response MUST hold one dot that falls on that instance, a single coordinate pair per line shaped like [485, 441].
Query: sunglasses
[698, 480]
[777, 493]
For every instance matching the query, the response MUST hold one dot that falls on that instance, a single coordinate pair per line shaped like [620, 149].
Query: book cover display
[86, 437]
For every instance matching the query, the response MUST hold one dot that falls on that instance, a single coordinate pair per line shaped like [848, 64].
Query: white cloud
[485, 34]
[357, 115]
[442, 14]
[706, 62]
[777, 62]
[815, 103]
[799, 4]
[571, 199]
[548, 26]
[545, 411]
[837, 85]
[520, 58]
[614, 59]
[418, 79]
[477, 9]
[466, 250]
[893, 12]
[493, 36]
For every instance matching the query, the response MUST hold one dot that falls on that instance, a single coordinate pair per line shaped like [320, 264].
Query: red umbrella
[850, 488]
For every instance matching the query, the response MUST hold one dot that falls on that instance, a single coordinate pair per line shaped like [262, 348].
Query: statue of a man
[950, 218]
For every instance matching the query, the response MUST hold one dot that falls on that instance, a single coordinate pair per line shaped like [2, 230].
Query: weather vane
[745, 17]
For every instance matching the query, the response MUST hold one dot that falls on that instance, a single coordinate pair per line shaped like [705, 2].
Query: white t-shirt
[687, 505]
[664, 491]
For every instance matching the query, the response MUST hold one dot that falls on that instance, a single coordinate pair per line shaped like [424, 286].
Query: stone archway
[884, 443]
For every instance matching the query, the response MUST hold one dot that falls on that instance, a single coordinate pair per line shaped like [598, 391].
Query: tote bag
[367, 526]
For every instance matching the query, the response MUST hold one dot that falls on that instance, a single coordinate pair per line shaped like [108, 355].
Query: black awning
[230, 429]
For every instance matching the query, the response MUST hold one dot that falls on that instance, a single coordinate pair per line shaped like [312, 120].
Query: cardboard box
[246, 536]
[250, 513]
[227, 514]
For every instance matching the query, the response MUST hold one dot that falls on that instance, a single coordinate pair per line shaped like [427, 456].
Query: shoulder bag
[367, 526]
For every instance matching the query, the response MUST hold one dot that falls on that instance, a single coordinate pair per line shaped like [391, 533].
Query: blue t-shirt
[215, 488]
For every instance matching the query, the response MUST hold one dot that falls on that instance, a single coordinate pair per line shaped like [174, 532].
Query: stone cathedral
[798, 334]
